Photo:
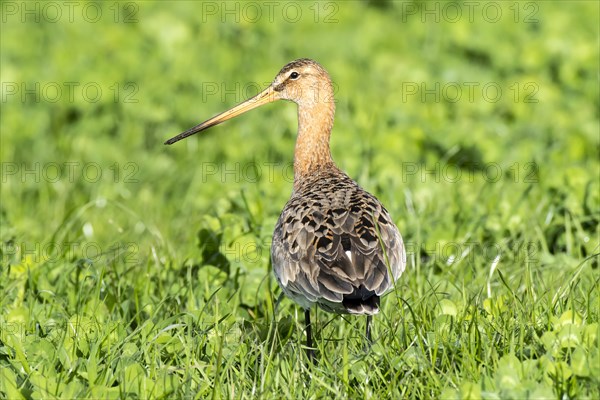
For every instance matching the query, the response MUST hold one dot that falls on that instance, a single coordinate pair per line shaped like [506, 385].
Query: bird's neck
[312, 144]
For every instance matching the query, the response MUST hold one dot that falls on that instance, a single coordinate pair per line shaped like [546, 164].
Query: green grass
[131, 269]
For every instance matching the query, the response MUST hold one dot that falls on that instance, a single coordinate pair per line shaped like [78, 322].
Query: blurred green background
[475, 123]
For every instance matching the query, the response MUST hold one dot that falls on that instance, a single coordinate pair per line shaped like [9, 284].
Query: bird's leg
[368, 333]
[309, 349]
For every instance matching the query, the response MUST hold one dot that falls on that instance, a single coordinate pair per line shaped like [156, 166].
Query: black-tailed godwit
[334, 245]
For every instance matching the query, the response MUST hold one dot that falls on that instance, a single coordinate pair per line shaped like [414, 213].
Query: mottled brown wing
[334, 245]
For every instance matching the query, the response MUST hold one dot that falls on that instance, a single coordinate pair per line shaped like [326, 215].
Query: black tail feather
[361, 301]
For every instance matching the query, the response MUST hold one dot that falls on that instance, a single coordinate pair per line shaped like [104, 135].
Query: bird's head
[302, 81]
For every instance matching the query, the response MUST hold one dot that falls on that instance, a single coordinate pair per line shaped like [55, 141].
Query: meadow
[130, 269]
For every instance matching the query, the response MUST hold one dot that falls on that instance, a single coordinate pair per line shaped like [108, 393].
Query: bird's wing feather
[327, 244]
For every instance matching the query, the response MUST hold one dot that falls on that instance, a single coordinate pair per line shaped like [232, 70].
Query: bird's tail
[361, 301]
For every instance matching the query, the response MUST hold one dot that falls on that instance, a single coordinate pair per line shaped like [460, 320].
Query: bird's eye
[294, 75]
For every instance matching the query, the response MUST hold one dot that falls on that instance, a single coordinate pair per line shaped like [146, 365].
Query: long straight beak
[266, 96]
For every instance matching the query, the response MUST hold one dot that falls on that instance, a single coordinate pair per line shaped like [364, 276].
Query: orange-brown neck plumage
[315, 121]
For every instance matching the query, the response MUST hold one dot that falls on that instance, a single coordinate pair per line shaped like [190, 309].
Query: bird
[335, 245]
